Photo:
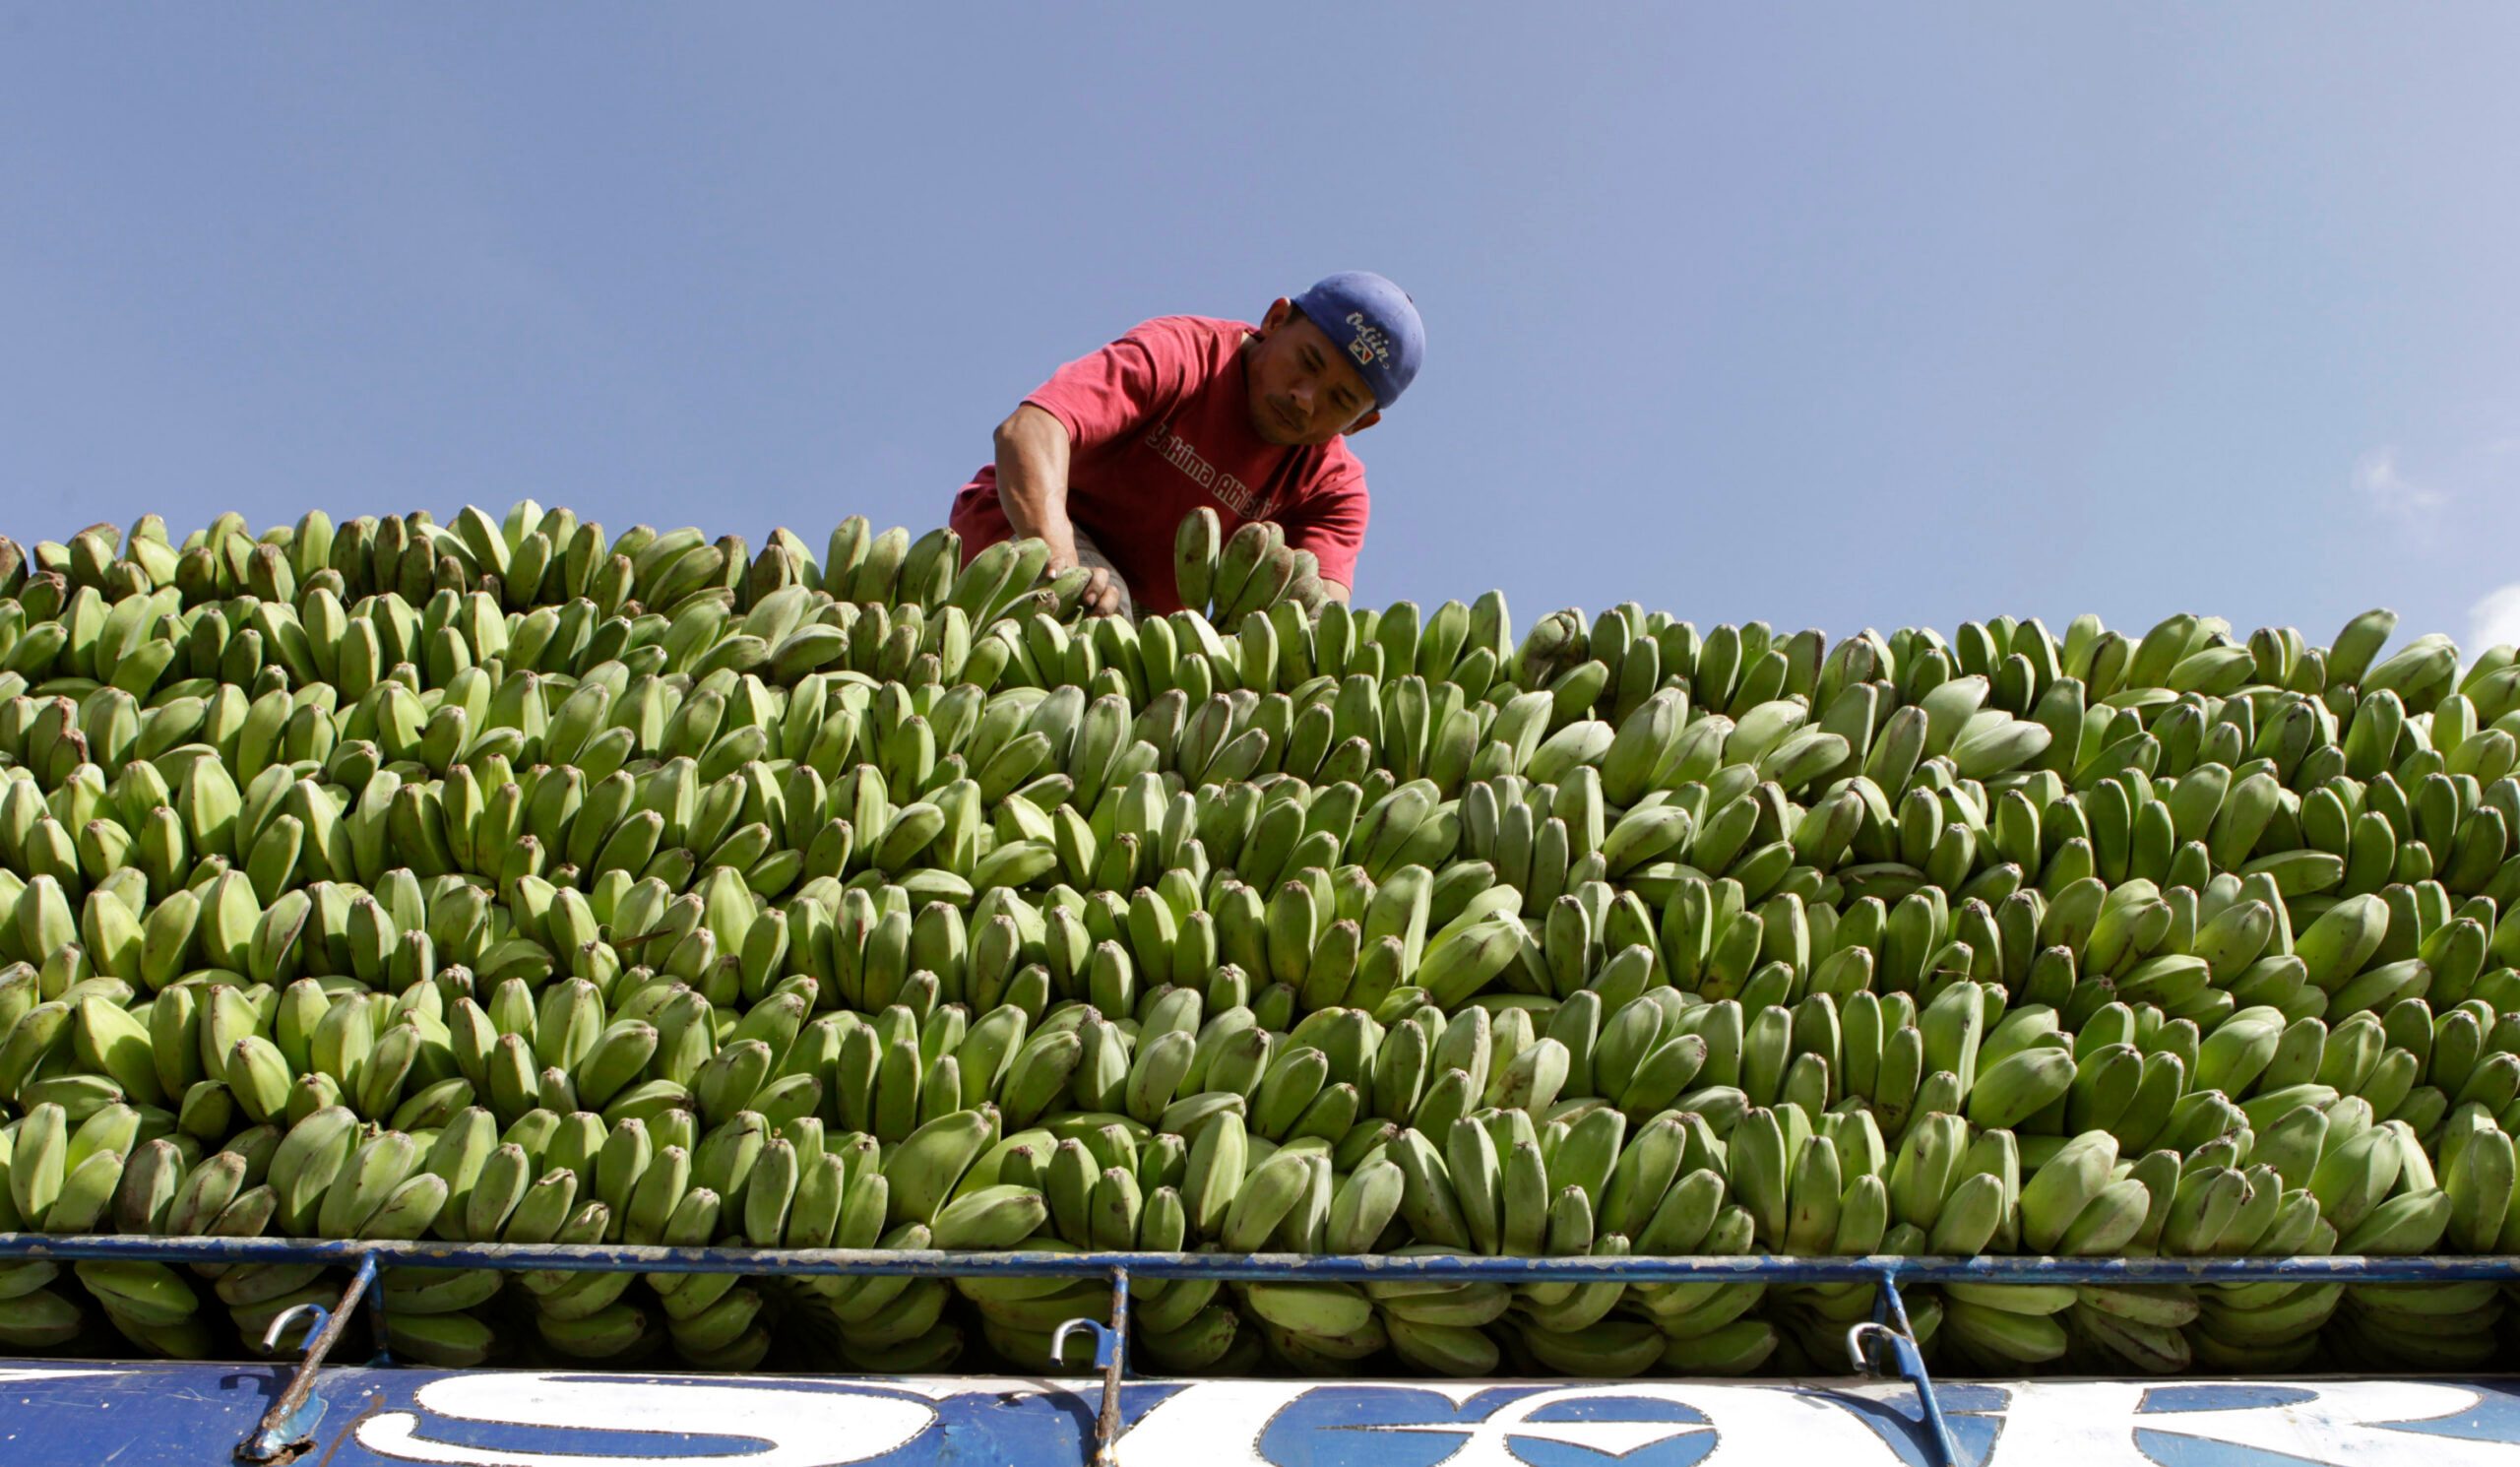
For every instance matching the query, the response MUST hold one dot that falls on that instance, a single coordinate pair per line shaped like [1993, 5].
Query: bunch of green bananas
[508, 880]
[1226, 577]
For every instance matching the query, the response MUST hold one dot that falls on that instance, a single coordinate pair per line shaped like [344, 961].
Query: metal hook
[1095, 1327]
[1870, 1332]
[317, 1317]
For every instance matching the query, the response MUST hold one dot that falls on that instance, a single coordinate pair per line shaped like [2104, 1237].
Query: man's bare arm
[1031, 487]
[1031, 480]
[1337, 592]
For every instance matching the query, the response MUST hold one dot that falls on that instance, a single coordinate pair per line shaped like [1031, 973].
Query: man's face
[1304, 391]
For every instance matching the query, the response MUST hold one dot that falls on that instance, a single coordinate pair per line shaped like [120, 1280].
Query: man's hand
[1101, 596]
[1105, 594]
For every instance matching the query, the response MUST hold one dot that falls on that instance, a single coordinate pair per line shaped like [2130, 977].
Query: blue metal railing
[1262, 1267]
[1886, 1346]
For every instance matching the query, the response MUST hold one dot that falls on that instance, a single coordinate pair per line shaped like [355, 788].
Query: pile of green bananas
[503, 880]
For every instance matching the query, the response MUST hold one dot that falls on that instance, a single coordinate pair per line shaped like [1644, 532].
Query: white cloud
[2494, 620]
[2390, 493]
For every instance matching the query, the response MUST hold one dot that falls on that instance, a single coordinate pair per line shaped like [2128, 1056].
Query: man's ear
[1276, 315]
[1372, 415]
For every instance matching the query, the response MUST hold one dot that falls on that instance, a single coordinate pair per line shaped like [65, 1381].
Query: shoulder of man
[1337, 470]
[1213, 338]
[1329, 483]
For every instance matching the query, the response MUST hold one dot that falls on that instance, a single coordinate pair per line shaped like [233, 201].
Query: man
[1104, 461]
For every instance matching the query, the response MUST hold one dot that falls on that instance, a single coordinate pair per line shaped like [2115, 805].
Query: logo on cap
[1369, 345]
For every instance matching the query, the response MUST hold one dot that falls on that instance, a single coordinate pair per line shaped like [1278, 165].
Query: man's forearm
[1032, 481]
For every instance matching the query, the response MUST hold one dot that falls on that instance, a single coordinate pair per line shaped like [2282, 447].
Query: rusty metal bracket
[1887, 1345]
[1111, 1358]
[288, 1427]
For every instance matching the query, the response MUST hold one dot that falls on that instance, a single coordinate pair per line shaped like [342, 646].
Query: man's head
[1330, 361]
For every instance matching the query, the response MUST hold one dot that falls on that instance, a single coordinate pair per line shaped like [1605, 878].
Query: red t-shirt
[1160, 424]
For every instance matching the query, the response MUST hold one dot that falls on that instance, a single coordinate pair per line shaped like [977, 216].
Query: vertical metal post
[375, 1299]
[1115, 1367]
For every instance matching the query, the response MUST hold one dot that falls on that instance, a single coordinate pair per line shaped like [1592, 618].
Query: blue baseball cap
[1375, 323]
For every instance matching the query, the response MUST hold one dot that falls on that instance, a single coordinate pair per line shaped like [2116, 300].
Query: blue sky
[1834, 315]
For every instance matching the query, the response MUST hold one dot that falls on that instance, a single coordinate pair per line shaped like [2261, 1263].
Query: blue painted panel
[1971, 1411]
[77, 1415]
